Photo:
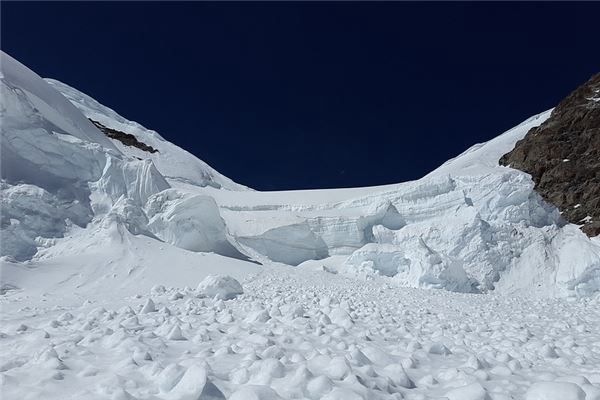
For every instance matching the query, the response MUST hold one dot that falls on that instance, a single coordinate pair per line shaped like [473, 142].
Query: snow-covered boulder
[222, 287]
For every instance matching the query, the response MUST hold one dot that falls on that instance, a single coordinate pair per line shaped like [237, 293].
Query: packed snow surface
[126, 274]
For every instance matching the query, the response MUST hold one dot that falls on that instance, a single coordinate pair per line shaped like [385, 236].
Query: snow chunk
[342, 394]
[554, 391]
[194, 385]
[398, 376]
[473, 391]
[255, 392]
[176, 334]
[289, 244]
[148, 307]
[413, 264]
[223, 287]
[192, 222]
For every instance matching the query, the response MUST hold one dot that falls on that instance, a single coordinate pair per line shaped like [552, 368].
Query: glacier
[470, 225]
[127, 274]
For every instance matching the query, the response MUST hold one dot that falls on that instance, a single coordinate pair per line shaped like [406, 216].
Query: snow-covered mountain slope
[23, 87]
[59, 171]
[102, 243]
[174, 163]
[470, 225]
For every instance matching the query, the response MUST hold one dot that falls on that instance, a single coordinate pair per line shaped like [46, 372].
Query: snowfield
[126, 274]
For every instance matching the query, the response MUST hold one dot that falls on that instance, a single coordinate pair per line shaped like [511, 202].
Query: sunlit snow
[134, 275]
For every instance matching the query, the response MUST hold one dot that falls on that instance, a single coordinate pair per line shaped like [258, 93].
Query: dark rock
[563, 157]
[125, 138]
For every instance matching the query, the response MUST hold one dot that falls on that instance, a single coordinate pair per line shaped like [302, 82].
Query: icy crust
[177, 165]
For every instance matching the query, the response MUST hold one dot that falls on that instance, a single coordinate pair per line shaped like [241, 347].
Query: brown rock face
[125, 138]
[563, 157]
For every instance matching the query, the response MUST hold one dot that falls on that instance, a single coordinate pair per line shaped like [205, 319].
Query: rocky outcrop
[125, 138]
[563, 157]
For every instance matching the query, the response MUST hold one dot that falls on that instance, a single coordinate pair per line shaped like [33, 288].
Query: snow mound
[222, 287]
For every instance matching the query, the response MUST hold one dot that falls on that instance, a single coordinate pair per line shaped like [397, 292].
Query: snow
[474, 391]
[176, 164]
[134, 275]
[219, 286]
[21, 83]
[555, 391]
[495, 346]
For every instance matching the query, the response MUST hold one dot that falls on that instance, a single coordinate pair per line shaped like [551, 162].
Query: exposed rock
[563, 157]
[125, 138]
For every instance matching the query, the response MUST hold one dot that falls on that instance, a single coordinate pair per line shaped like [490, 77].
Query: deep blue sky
[313, 95]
